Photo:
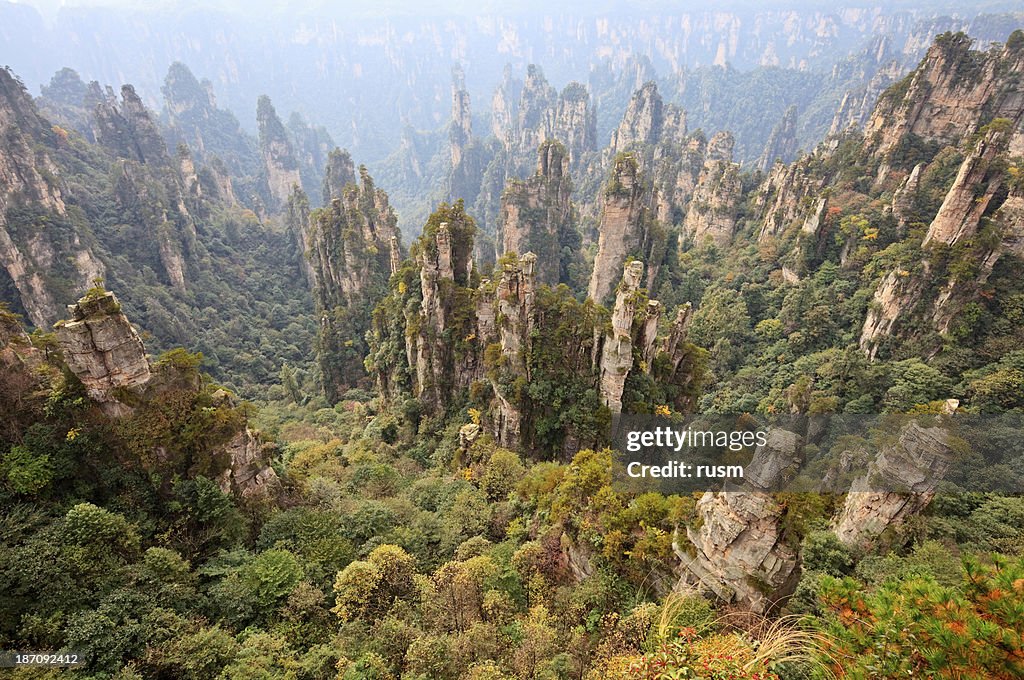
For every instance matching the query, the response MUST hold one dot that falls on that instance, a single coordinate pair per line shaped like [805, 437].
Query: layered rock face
[461, 130]
[575, 122]
[313, 146]
[903, 199]
[783, 197]
[976, 183]
[280, 163]
[339, 173]
[650, 128]
[912, 468]
[949, 95]
[28, 176]
[505, 108]
[351, 247]
[782, 144]
[103, 350]
[248, 473]
[537, 215]
[712, 210]
[741, 555]
[625, 227]
[894, 296]
[467, 156]
[537, 106]
[510, 312]
[526, 114]
[856, 106]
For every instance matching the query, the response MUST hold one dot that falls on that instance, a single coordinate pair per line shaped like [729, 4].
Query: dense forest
[258, 424]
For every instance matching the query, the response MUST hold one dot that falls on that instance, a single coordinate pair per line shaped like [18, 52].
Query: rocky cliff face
[617, 348]
[537, 107]
[712, 210]
[537, 216]
[741, 552]
[575, 122]
[213, 134]
[461, 130]
[313, 146]
[910, 468]
[626, 227]
[952, 93]
[351, 246]
[34, 258]
[782, 144]
[68, 102]
[785, 196]
[127, 129]
[104, 351]
[339, 173]
[976, 184]
[642, 121]
[525, 114]
[505, 108]
[976, 197]
[856, 105]
[280, 163]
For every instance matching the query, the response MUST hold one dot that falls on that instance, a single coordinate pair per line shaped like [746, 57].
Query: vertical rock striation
[280, 163]
[626, 227]
[782, 144]
[712, 210]
[537, 216]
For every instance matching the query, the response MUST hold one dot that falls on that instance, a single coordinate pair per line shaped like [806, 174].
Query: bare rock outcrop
[537, 214]
[625, 227]
[103, 350]
[127, 129]
[537, 107]
[975, 185]
[617, 348]
[741, 553]
[979, 182]
[945, 98]
[642, 121]
[903, 199]
[781, 198]
[248, 475]
[29, 176]
[352, 248]
[712, 210]
[280, 163]
[740, 556]
[897, 292]
[782, 144]
[899, 483]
